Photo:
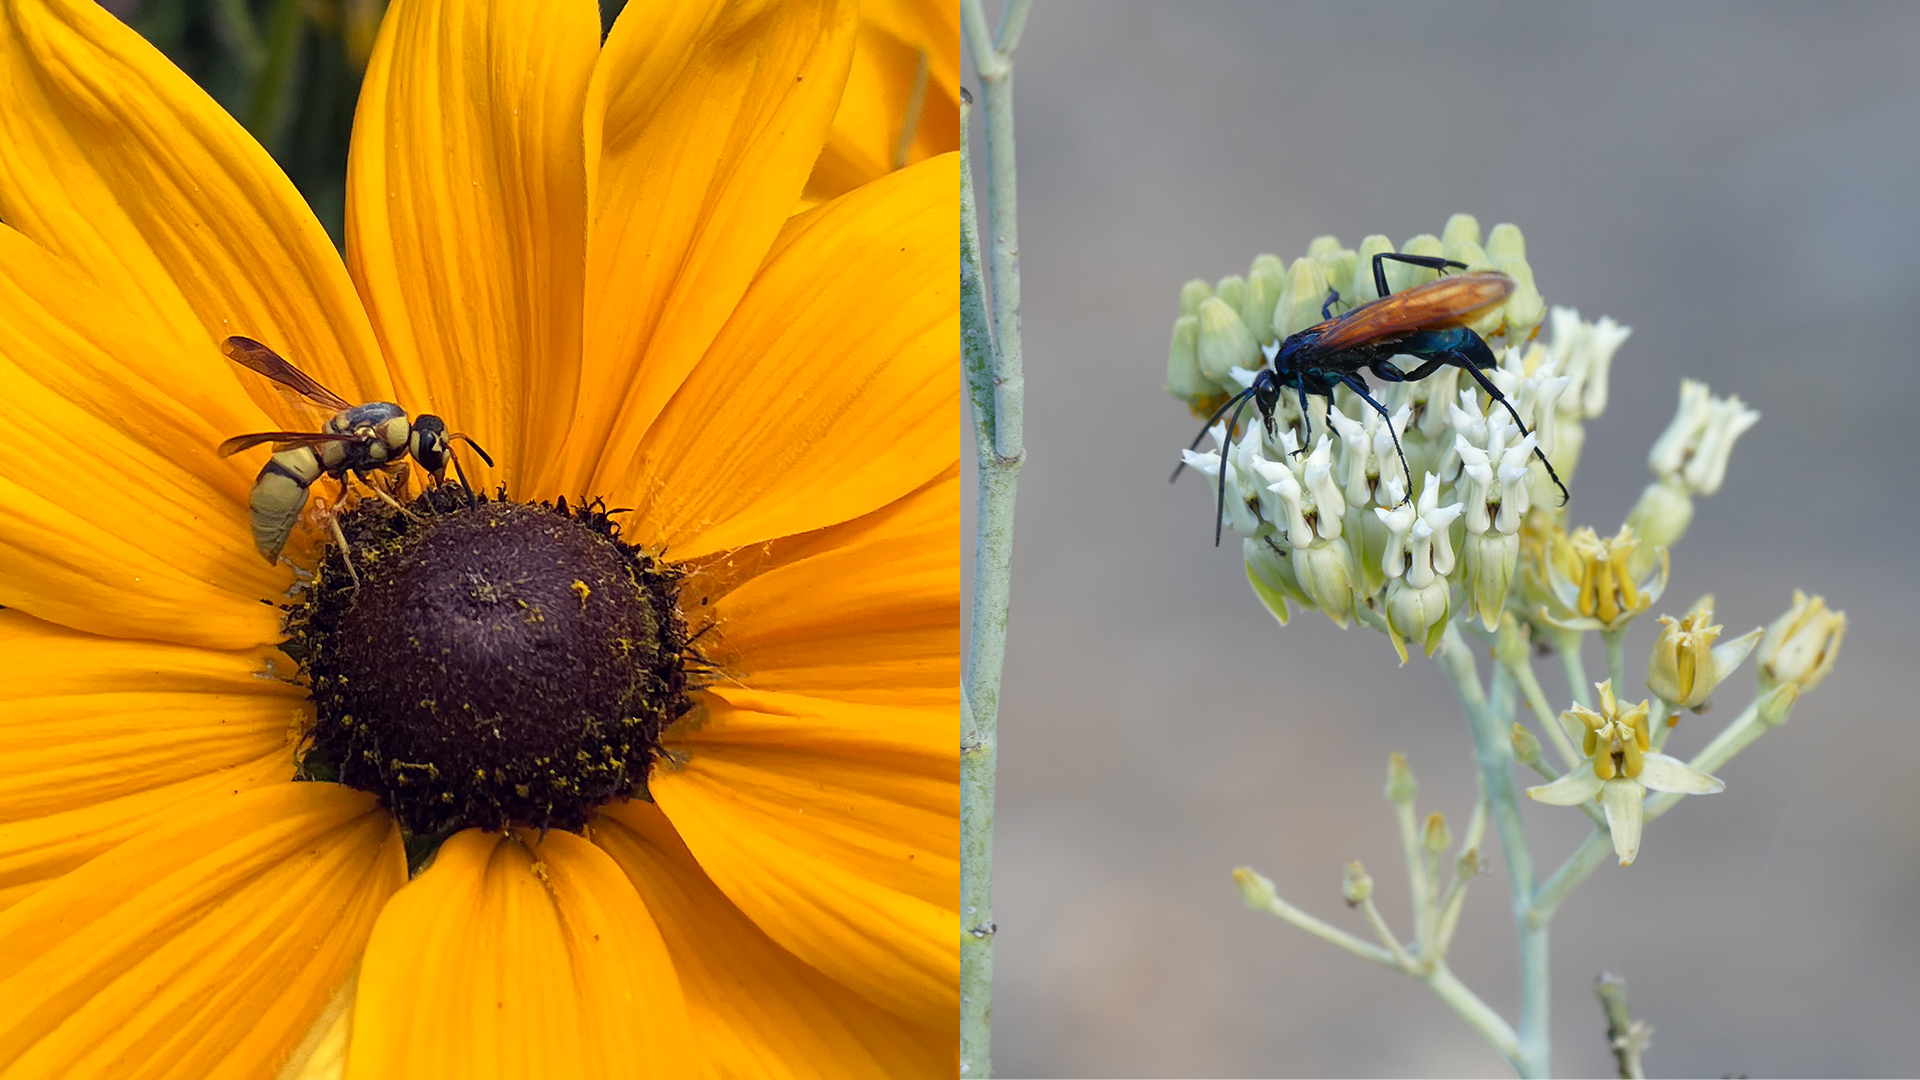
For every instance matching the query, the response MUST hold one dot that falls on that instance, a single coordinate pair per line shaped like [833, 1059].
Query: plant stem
[1576, 669]
[1543, 712]
[1590, 856]
[1627, 1036]
[1494, 752]
[1616, 641]
[1478, 1014]
[991, 356]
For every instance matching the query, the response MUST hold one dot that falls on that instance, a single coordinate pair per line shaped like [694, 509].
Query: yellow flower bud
[1436, 837]
[1801, 645]
[1401, 786]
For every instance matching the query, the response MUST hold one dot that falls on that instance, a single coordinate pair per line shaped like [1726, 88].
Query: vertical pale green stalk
[990, 351]
[1493, 750]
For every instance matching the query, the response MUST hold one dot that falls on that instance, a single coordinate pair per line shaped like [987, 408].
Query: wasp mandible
[359, 439]
[1425, 321]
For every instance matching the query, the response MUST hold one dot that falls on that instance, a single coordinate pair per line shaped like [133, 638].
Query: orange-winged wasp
[1425, 321]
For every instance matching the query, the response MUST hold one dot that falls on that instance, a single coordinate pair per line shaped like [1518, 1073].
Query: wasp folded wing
[251, 354]
[1425, 307]
[283, 440]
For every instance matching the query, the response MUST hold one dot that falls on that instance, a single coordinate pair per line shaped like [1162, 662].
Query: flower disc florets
[500, 663]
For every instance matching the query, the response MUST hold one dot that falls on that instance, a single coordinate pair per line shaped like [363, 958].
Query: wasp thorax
[501, 663]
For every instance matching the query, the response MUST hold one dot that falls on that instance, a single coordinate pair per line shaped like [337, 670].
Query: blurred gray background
[1736, 182]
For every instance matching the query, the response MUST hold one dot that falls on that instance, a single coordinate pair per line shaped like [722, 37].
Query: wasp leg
[340, 537]
[1360, 388]
[384, 497]
[1471, 355]
[1326, 309]
[1306, 420]
[1431, 262]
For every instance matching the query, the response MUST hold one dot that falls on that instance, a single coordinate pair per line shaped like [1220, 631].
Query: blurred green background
[288, 69]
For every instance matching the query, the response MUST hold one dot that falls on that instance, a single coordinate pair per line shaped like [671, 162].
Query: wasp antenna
[462, 474]
[1195, 444]
[484, 456]
[1220, 502]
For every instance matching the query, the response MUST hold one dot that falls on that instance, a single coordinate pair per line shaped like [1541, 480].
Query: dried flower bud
[1526, 748]
[1356, 886]
[1401, 786]
[1436, 837]
[1801, 645]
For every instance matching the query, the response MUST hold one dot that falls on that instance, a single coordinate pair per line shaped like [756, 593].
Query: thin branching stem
[1493, 749]
[990, 352]
[1543, 711]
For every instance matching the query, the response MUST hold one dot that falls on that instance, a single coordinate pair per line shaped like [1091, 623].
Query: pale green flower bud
[1801, 646]
[1403, 276]
[1659, 518]
[1184, 380]
[1525, 309]
[1461, 229]
[1336, 262]
[1324, 572]
[1360, 288]
[1191, 295]
[1270, 572]
[1300, 302]
[1256, 890]
[1416, 614]
[1356, 886]
[1526, 748]
[1436, 837]
[1265, 283]
[1224, 342]
[1776, 704]
[1488, 560]
[1506, 242]
[1686, 665]
[1401, 786]
[1233, 290]
[1510, 642]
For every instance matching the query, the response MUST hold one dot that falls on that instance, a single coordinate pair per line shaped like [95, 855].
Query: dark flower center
[497, 664]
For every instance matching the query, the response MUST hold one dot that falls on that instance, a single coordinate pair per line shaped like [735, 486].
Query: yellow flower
[1620, 769]
[1686, 664]
[582, 255]
[1589, 582]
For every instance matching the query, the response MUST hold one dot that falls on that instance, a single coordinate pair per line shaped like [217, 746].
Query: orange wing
[251, 354]
[1424, 307]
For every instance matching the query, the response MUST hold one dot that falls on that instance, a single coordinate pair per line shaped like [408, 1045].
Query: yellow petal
[872, 616]
[702, 122]
[831, 392]
[502, 960]
[202, 948]
[466, 204]
[90, 719]
[844, 850]
[115, 514]
[37, 851]
[906, 49]
[117, 163]
[757, 1010]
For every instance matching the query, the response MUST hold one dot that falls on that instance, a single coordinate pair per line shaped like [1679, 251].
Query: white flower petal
[1572, 789]
[1622, 798]
[1663, 773]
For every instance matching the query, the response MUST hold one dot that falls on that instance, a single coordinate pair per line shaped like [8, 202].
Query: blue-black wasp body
[1425, 322]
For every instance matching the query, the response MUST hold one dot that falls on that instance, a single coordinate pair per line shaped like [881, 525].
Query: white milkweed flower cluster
[1424, 509]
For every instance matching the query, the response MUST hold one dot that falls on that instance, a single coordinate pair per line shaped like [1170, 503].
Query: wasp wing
[252, 355]
[284, 439]
[1424, 307]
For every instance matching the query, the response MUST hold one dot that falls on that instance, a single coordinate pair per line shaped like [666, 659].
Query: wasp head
[429, 446]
